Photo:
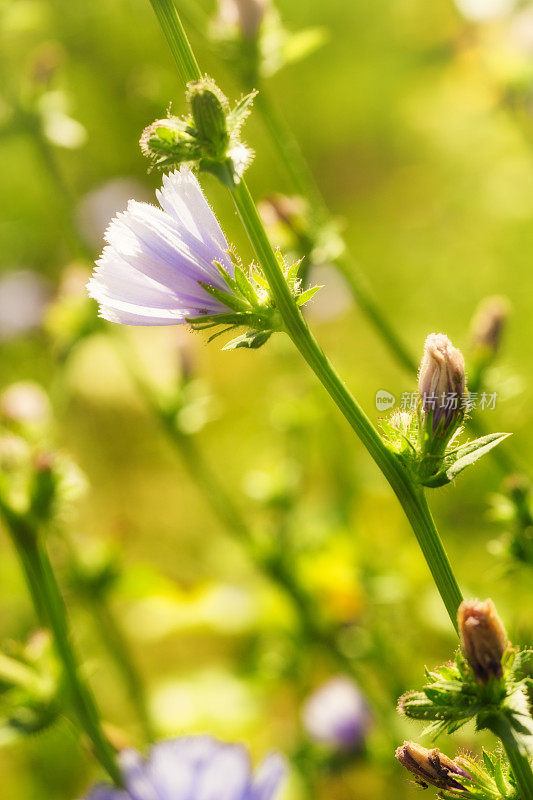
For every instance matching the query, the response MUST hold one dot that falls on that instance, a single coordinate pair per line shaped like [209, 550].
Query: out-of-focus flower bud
[246, 15]
[441, 383]
[25, 403]
[44, 486]
[207, 139]
[431, 766]
[337, 714]
[483, 638]
[488, 325]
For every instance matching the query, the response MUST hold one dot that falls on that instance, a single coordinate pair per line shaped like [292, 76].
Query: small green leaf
[463, 457]
[489, 764]
[251, 340]
[241, 111]
[304, 297]
[471, 452]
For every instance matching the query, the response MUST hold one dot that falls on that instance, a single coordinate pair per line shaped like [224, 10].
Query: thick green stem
[81, 696]
[410, 496]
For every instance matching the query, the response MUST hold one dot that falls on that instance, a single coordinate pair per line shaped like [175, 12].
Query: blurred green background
[416, 119]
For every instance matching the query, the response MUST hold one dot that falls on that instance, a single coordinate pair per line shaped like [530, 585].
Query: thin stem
[81, 695]
[176, 37]
[123, 658]
[304, 183]
[290, 154]
[62, 194]
[20, 535]
[274, 566]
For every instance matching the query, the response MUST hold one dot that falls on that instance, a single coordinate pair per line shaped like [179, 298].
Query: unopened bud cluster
[208, 138]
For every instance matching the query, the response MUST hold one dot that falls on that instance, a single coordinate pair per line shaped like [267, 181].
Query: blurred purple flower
[195, 768]
[337, 714]
[157, 258]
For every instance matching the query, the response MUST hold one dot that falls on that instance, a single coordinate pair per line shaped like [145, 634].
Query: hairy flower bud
[441, 382]
[488, 325]
[483, 638]
[167, 141]
[430, 766]
[209, 108]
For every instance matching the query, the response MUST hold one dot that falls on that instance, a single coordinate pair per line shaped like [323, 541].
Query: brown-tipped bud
[488, 325]
[441, 381]
[483, 638]
[430, 766]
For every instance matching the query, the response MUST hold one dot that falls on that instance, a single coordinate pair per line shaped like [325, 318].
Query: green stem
[302, 179]
[80, 693]
[118, 647]
[275, 568]
[62, 194]
[176, 37]
[20, 535]
[517, 747]
[304, 183]
[410, 496]
[290, 154]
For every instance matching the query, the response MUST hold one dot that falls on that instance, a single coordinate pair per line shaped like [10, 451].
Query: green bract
[208, 139]
[250, 304]
[405, 434]
[452, 695]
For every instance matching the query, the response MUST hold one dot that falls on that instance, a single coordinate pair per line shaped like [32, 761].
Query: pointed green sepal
[456, 461]
[251, 340]
[304, 297]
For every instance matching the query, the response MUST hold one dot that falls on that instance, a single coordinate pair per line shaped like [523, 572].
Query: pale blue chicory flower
[195, 768]
[157, 258]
